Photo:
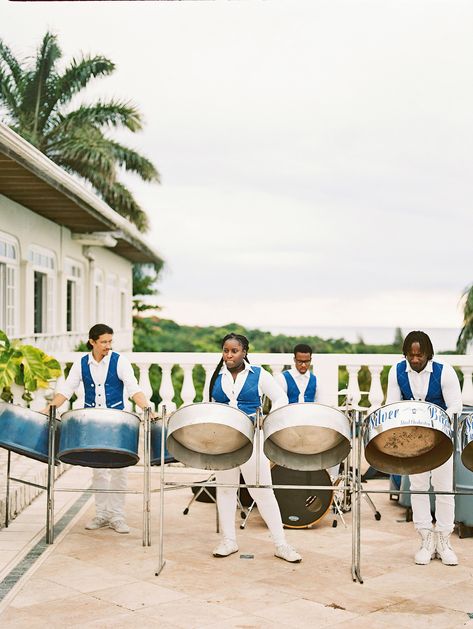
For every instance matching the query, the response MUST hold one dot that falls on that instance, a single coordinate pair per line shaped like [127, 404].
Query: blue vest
[434, 392]
[248, 399]
[293, 390]
[113, 385]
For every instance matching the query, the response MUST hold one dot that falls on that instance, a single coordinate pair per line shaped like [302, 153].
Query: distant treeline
[163, 335]
[152, 334]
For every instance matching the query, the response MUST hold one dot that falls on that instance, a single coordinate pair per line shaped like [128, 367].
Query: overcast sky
[316, 157]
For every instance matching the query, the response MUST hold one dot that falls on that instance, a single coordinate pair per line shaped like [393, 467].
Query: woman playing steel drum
[419, 377]
[106, 374]
[236, 383]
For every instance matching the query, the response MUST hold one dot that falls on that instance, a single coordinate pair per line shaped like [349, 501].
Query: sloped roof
[30, 178]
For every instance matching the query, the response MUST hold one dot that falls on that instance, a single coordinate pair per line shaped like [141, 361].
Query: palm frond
[122, 201]
[110, 114]
[8, 58]
[134, 162]
[38, 86]
[79, 73]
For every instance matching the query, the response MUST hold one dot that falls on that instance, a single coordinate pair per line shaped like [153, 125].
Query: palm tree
[35, 98]
[466, 334]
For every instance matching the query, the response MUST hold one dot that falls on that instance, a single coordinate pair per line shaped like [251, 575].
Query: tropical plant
[35, 96]
[466, 333]
[26, 366]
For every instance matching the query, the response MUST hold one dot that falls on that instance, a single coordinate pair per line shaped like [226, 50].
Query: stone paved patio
[103, 579]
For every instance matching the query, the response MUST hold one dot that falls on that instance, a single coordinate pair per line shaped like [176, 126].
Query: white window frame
[9, 284]
[112, 311]
[43, 260]
[99, 295]
[74, 273]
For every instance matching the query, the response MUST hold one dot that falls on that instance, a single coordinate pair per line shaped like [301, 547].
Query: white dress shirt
[301, 380]
[266, 386]
[420, 384]
[98, 371]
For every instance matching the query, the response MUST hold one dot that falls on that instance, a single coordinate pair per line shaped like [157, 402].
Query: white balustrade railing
[326, 367]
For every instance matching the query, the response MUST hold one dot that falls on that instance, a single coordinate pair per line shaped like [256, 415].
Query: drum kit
[301, 440]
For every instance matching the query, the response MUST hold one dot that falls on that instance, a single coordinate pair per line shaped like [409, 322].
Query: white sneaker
[120, 526]
[444, 550]
[97, 523]
[225, 548]
[426, 551]
[286, 552]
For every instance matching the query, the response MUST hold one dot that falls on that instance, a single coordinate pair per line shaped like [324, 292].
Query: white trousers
[442, 480]
[265, 498]
[108, 505]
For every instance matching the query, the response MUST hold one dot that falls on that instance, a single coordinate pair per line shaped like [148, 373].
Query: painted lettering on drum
[380, 416]
[439, 415]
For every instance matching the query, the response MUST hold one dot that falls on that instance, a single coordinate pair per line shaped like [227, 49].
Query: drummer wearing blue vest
[105, 376]
[237, 383]
[421, 378]
[299, 383]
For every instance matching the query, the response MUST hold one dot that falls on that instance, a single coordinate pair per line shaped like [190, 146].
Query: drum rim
[108, 411]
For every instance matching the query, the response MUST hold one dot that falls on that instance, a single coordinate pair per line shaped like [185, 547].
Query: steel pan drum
[306, 436]
[156, 434]
[301, 508]
[99, 437]
[467, 441]
[408, 437]
[210, 436]
[24, 431]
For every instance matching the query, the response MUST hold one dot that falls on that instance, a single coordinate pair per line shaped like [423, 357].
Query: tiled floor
[103, 579]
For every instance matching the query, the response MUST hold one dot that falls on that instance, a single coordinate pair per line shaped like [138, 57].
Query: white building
[65, 256]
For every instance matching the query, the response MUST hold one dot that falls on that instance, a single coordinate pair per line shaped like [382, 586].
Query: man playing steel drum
[421, 378]
[99, 368]
[299, 383]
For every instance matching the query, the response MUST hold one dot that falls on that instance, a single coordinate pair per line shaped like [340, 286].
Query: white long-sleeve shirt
[267, 385]
[98, 371]
[301, 380]
[419, 382]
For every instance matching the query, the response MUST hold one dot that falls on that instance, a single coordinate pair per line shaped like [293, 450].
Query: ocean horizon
[443, 339]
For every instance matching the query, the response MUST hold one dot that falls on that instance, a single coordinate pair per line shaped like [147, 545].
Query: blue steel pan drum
[24, 431]
[408, 437]
[156, 437]
[99, 437]
[467, 441]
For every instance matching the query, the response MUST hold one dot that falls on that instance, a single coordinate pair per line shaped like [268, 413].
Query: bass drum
[466, 429]
[302, 508]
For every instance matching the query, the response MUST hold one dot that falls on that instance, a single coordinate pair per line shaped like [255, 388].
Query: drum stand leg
[161, 561]
[356, 488]
[7, 493]
[146, 478]
[51, 470]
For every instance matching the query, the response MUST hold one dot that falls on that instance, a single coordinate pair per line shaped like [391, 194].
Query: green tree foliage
[152, 334]
[466, 334]
[35, 98]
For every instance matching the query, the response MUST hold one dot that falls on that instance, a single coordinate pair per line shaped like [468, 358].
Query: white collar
[225, 369]
[427, 369]
[105, 360]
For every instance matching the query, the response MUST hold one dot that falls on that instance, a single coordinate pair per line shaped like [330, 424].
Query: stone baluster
[209, 369]
[275, 369]
[188, 389]
[39, 400]
[353, 389]
[467, 391]
[376, 394]
[144, 381]
[166, 390]
[17, 393]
